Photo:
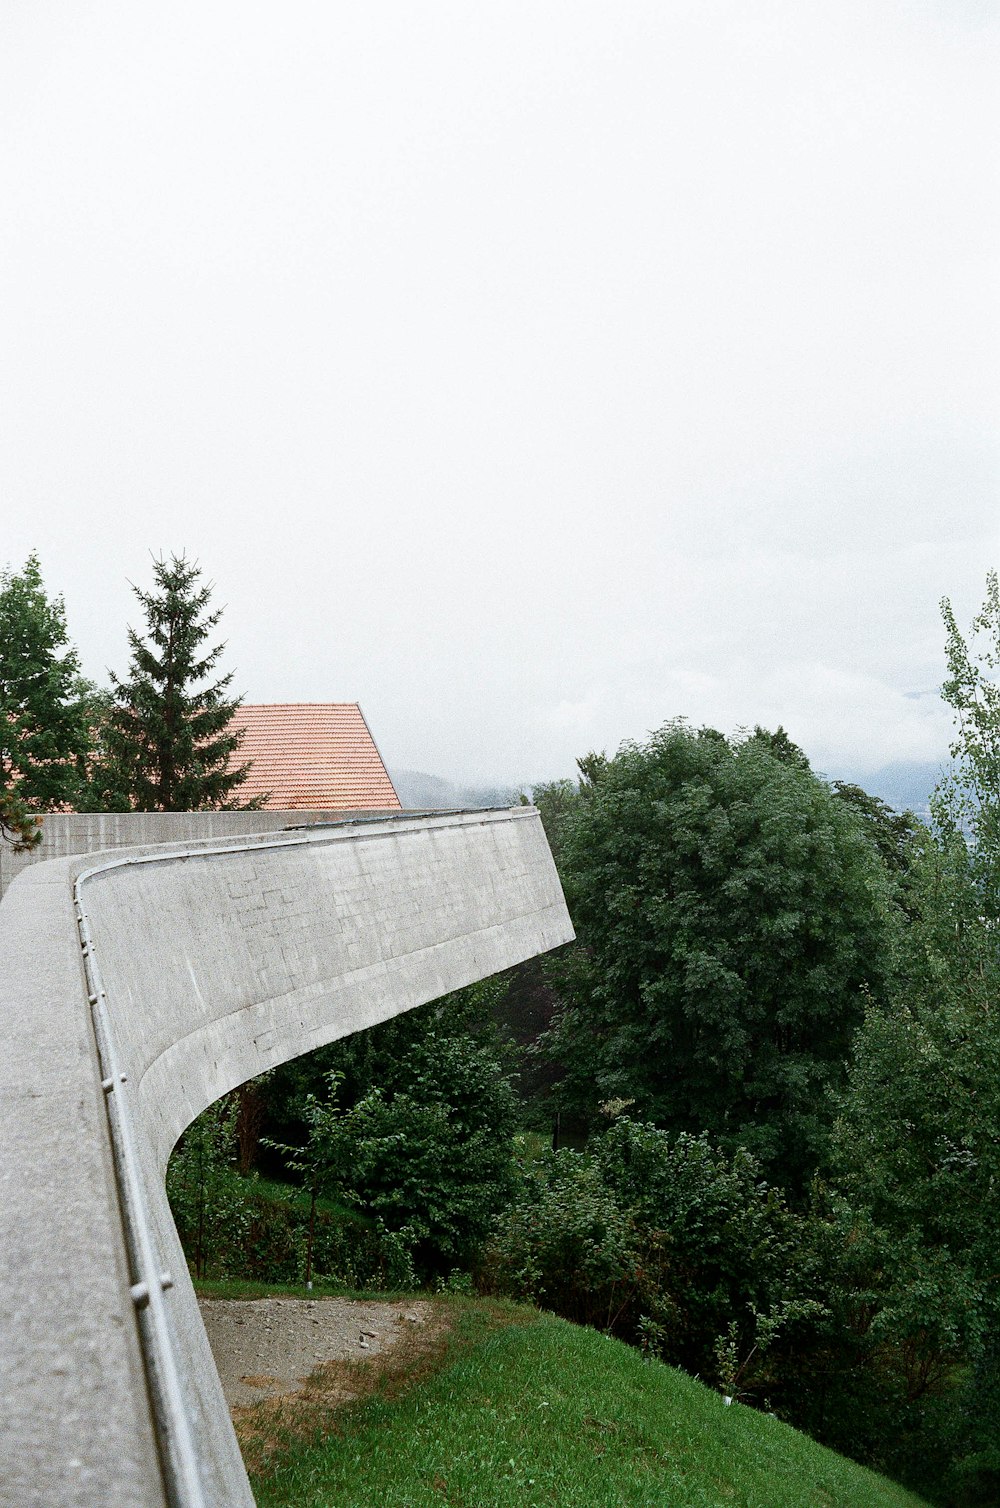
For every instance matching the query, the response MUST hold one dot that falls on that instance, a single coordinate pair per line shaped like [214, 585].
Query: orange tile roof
[317, 755]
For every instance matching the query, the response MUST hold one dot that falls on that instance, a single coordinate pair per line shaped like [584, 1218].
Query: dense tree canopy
[732, 913]
[45, 705]
[167, 739]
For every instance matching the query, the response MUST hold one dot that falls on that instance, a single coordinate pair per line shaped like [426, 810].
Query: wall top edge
[75, 868]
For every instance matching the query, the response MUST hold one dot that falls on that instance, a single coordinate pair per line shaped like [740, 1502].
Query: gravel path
[266, 1347]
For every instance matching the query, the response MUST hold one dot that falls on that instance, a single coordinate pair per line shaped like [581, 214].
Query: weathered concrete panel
[66, 833]
[215, 966]
[75, 1425]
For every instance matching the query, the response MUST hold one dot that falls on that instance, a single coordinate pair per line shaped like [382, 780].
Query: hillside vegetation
[767, 1075]
[520, 1409]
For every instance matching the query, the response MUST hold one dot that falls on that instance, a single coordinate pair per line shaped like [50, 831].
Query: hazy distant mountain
[417, 790]
[905, 784]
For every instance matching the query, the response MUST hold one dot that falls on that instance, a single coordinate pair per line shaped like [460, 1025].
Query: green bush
[664, 1241]
[734, 1260]
[433, 1162]
[684, 1250]
[268, 1245]
[566, 1245]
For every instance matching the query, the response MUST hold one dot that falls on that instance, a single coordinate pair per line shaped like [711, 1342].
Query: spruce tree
[45, 706]
[167, 740]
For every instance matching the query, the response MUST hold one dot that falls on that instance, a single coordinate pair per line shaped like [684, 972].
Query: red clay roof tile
[317, 755]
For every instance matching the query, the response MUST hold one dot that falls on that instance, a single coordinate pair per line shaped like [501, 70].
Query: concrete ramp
[136, 988]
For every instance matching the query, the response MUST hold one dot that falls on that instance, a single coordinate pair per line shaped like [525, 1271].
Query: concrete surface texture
[65, 833]
[205, 963]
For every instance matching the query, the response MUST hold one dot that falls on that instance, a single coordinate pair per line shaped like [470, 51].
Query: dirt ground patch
[267, 1347]
[288, 1365]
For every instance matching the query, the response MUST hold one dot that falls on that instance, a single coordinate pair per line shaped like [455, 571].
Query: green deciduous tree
[556, 800]
[730, 911]
[967, 802]
[918, 1141]
[917, 1150]
[45, 706]
[920, 1135]
[167, 740]
[893, 833]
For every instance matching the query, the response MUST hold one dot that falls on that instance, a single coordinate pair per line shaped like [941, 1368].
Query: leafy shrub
[566, 1245]
[822, 1316]
[730, 1251]
[268, 1245]
[663, 1241]
[433, 1162]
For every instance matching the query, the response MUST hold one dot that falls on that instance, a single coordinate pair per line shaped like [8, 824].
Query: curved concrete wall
[207, 965]
[66, 833]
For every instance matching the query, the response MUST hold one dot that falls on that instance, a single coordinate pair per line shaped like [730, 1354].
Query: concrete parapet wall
[215, 965]
[65, 833]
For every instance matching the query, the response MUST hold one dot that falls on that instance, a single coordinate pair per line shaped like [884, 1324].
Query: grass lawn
[298, 1197]
[511, 1409]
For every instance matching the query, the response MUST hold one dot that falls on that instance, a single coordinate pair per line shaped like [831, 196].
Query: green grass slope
[541, 1412]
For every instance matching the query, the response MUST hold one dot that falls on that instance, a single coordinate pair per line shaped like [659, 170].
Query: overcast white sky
[528, 372]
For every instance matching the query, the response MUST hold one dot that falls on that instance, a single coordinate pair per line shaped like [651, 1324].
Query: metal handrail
[150, 1281]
